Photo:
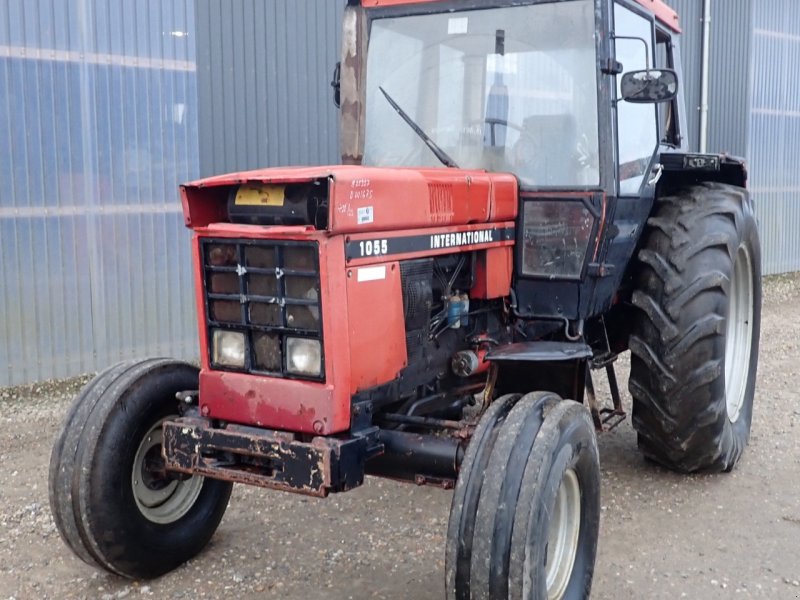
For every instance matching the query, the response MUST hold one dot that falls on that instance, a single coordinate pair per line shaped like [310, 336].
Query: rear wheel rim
[160, 500]
[739, 334]
[562, 538]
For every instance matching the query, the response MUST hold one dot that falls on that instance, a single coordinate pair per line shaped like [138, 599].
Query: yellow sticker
[260, 195]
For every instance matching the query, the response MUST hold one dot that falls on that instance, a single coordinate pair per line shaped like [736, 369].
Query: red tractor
[517, 208]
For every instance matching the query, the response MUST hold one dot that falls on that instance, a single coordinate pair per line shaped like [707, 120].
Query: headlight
[227, 348]
[303, 357]
[556, 236]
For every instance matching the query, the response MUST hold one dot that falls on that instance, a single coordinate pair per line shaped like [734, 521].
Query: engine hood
[359, 199]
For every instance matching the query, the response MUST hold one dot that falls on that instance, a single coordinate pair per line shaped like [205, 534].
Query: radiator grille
[267, 290]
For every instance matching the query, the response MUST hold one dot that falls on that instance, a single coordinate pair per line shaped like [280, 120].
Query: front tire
[535, 529]
[694, 344]
[112, 502]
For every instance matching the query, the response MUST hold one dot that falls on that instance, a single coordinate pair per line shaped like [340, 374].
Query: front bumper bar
[263, 457]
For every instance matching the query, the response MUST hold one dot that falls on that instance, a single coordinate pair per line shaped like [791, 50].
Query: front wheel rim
[159, 500]
[562, 538]
[739, 334]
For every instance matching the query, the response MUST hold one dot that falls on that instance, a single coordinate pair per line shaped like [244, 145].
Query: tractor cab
[578, 100]
[529, 88]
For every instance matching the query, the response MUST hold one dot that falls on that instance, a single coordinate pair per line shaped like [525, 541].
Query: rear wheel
[534, 530]
[112, 500]
[694, 346]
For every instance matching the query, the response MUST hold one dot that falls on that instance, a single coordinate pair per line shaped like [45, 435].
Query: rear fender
[682, 169]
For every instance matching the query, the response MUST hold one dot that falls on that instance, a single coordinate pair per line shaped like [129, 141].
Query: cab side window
[637, 124]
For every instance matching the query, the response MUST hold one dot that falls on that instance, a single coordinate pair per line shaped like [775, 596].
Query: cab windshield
[507, 89]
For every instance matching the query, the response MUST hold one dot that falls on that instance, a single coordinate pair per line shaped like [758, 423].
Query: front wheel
[112, 500]
[533, 531]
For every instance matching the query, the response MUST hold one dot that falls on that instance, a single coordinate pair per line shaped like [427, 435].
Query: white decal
[365, 215]
[361, 189]
[457, 25]
[462, 238]
[372, 273]
[374, 247]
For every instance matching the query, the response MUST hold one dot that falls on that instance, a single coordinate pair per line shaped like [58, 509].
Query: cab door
[637, 124]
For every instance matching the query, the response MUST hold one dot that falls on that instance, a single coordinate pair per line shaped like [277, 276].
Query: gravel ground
[662, 535]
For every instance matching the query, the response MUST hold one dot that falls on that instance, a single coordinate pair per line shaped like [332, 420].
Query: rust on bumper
[263, 457]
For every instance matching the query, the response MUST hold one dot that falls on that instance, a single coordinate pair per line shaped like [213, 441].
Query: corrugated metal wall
[99, 114]
[106, 106]
[775, 131]
[729, 64]
[264, 72]
[98, 125]
[730, 68]
[754, 107]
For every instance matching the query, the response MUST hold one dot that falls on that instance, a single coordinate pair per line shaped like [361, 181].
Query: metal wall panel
[775, 132]
[106, 106]
[754, 108]
[264, 72]
[98, 126]
[730, 68]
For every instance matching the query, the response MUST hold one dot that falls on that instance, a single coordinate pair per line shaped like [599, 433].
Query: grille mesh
[267, 290]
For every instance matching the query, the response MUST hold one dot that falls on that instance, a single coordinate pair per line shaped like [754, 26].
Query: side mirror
[649, 87]
[336, 84]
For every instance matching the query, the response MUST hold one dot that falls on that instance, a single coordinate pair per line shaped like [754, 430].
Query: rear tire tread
[680, 318]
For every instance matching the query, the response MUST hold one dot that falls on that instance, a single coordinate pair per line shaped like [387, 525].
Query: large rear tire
[694, 343]
[534, 528]
[112, 502]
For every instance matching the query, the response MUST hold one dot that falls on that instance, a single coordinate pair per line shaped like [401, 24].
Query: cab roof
[663, 13]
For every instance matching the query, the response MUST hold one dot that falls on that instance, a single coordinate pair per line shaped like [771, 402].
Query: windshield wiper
[440, 154]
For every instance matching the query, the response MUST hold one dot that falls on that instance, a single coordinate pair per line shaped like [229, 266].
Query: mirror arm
[638, 39]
